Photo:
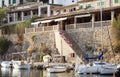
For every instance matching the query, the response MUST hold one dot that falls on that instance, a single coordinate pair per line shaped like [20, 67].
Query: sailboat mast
[101, 24]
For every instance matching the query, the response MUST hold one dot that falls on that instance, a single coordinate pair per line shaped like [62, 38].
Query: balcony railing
[42, 29]
[68, 27]
[88, 25]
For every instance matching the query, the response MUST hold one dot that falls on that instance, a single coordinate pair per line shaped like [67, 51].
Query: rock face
[86, 38]
[46, 38]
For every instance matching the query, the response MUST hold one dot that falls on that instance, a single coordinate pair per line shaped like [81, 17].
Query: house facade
[83, 12]
[27, 11]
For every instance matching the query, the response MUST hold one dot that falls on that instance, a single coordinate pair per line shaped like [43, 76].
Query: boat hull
[19, 65]
[6, 64]
[57, 69]
[88, 69]
[108, 70]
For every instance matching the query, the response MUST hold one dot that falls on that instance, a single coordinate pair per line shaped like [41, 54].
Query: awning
[46, 21]
[60, 19]
[84, 15]
[35, 23]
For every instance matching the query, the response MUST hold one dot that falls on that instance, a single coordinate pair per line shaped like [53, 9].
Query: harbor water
[8, 72]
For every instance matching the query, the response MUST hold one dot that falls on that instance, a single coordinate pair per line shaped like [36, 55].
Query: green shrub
[4, 45]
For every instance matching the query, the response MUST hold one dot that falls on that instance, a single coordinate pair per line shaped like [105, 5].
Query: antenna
[101, 24]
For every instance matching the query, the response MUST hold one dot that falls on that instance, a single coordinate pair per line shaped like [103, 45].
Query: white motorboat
[57, 69]
[95, 67]
[6, 64]
[21, 64]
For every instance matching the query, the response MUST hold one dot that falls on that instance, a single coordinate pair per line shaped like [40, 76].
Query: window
[2, 3]
[116, 1]
[72, 0]
[100, 3]
[88, 6]
[9, 1]
[64, 10]
[25, 14]
[81, 7]
[74, 9]
[14, 1]
[52, 1]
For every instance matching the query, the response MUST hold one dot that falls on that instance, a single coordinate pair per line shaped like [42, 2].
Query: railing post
[66, 27]
[58, 27]
[112, 17]
[93, 20]
[75, 21]
[33, 29]
[43, 29]
[53, 27]
[25, 30]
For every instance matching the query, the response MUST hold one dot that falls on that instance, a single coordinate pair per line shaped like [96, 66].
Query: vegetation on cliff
[116, 33]
[2, 14]
[4, 45]
[20, 29]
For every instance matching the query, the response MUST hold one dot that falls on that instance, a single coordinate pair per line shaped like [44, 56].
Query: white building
[63, 2]
[11, 2]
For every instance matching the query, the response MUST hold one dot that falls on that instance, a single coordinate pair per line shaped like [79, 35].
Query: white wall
[6, 2]
[0, 3]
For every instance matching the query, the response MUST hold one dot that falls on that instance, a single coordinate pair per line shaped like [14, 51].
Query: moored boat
[6, 64]
[21, 64]
[57, 69]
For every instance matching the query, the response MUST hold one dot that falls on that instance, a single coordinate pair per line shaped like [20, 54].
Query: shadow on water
[8, 72]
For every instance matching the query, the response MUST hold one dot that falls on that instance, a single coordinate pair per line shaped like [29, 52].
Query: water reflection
[8, 72]
[21, 73]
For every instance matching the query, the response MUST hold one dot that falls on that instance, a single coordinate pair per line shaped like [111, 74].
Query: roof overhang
[84, 15]
[60, 19]
[35, 23]
[46, 21]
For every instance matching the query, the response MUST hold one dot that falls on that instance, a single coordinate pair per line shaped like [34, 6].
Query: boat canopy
[100, 56]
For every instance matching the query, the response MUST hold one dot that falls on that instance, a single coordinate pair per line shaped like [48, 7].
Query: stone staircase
[69, 40]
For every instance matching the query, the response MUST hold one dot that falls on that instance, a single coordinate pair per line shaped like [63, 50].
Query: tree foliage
[2, 14]
[4, 45]
[116, 33]
[20, 29]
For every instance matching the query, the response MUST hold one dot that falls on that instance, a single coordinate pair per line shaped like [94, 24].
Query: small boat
[6, 64]
[57, 69]
[21, 64]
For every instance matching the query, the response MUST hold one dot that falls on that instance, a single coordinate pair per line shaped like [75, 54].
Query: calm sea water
[7, 72]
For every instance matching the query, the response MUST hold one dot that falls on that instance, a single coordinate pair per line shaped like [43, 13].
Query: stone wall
[90, 37]
[46, 38]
